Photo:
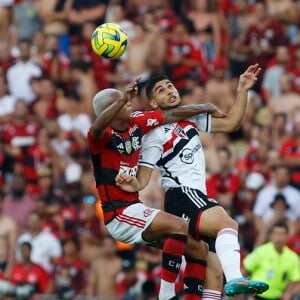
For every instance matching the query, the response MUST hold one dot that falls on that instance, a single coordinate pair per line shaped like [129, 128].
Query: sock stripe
[196, 261]
[179, 237]
[228, 231]
[191, 297]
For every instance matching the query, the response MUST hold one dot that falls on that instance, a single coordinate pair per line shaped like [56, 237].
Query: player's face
[125, 112]
[164, 95]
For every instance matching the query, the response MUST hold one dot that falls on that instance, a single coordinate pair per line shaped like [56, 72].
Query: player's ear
[153, 104]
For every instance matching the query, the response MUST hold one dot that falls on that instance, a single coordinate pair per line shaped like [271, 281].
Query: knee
[180, 227]
[230, 223]
[197, 249]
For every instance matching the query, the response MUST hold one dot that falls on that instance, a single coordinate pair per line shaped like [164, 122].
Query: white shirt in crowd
[45, 246]
[266, 197]
[18, 78]
[81, 123]
[7, 104]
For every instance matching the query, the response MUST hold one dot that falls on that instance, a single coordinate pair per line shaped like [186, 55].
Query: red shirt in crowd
[179, 72]
[226, 184]
[34, 275]
[291, 149]
[70, 274]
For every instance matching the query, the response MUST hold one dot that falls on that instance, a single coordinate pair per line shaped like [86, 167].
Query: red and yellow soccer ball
[109, 40]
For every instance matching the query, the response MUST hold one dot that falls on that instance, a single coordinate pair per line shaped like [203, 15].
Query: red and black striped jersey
[117, 152]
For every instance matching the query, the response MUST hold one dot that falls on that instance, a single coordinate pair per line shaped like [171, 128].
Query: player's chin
[173, 104]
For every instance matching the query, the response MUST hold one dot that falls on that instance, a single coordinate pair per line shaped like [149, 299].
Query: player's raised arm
[186, 111]
[232, 121]
[107, 104]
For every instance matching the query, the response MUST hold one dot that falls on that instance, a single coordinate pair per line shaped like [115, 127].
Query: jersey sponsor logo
[128, 171]
[148, 212]
[187, 154]
[152, 122]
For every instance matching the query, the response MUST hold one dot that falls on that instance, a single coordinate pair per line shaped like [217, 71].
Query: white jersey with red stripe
[177, 151]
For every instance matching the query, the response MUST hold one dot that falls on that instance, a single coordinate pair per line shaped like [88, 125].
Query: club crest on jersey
[128, 147]
[180, 132]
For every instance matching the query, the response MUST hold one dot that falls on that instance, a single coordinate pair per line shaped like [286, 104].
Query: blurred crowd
[52, 238]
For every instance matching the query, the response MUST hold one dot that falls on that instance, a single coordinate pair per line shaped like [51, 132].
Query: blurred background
[53, 244]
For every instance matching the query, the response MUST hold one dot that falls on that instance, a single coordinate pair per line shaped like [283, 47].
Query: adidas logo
[166, 129]
[120, 148]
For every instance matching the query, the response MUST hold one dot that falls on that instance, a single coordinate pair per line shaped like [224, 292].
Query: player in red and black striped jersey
[115, 143]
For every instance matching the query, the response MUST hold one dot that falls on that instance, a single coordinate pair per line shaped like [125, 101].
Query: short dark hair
[151, 83]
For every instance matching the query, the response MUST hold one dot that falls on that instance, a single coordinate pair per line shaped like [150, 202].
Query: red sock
[194, 276]
[172, 256]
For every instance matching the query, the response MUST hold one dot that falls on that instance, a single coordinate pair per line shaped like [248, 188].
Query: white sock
[228, 251]
[211, 295]
[167, 290]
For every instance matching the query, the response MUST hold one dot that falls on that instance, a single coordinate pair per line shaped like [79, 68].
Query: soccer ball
[109, 40]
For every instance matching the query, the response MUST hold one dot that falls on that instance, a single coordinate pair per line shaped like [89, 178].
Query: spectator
[82, 76]
[130, 281]
[207, 27]
[288, 100]
[290, 150]
[265, 263]
[90, 229]
[7, 102]
[19, 75]
[8, 236]
[18, 203]
[183, 57]
[45, 247]
[270, 85]
[263, 209]
[218, 89]
[29, 278]
[102, 281]
[26, 18]
[225, 181]
[86, 11]
[18, 133]
[69, 272]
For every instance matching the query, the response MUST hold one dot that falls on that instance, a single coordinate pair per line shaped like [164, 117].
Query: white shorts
[128, 226]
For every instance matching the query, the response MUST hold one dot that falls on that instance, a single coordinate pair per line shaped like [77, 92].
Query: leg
[195, 270]
[216, 222]
[214, 278]
[174, 230]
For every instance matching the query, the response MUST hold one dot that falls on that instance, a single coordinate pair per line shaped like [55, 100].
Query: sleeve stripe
[146, 164]
[207, 120]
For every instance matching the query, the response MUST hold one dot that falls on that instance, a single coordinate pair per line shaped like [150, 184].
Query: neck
[278, 248]
[119, 125]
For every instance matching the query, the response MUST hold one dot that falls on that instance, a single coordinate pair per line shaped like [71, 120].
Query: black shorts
[189, 204]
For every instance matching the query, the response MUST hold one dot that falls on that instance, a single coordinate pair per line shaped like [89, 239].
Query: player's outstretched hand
[126, 182]
[131, 89]
[249, 77]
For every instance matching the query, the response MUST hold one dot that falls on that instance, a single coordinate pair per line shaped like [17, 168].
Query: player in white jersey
[177, 151]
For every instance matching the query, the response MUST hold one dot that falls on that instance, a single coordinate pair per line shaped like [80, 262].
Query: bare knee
[227, 222]
[196, 249]
[180, 227]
